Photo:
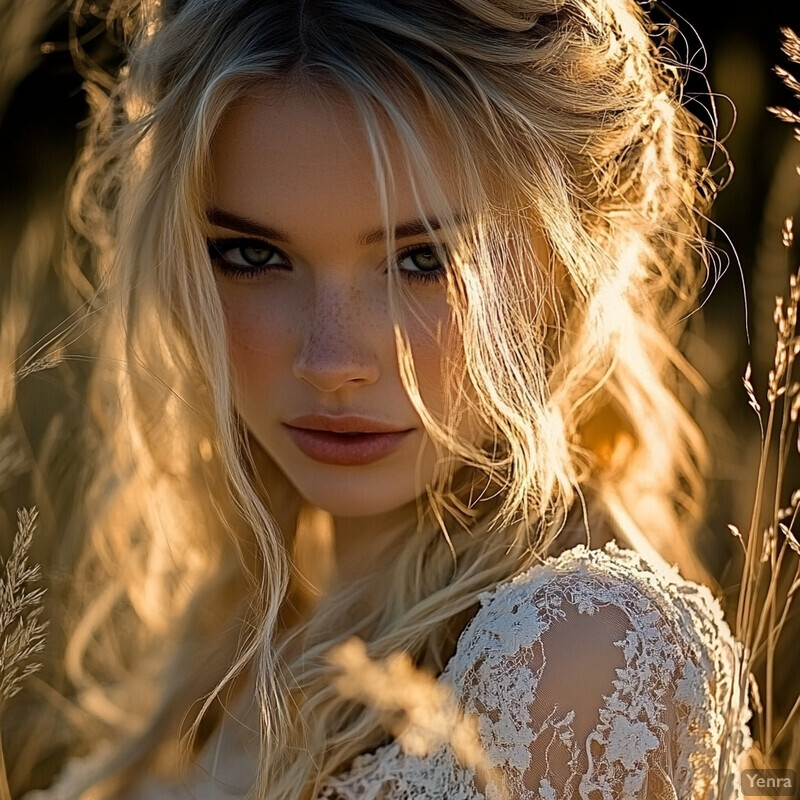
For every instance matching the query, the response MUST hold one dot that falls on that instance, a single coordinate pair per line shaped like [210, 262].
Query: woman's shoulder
[610, 563]
[605, 645]
[602, 582]
[606, 600]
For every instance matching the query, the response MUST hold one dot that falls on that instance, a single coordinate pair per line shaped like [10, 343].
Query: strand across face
[299, 253]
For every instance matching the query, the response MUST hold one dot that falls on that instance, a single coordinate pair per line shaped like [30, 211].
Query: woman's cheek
[258, 327]
[433, 345]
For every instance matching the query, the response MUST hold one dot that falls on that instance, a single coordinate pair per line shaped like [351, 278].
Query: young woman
[388, 301]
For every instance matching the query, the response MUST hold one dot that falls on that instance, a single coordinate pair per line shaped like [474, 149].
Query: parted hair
[563, 119]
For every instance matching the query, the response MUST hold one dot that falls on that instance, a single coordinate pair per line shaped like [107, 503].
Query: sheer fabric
[597, 675]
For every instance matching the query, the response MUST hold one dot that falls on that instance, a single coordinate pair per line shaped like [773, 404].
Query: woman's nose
[338, 344]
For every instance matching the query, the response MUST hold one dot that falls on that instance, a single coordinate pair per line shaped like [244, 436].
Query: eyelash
[218, 247]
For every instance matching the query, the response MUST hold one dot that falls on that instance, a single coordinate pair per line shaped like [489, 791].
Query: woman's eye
[243, 256]
[248, 256]
[422, 263]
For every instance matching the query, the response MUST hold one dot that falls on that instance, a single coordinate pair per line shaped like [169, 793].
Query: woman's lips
[346, 449]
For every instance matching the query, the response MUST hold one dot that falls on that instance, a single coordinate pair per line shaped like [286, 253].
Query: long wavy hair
[563, 119]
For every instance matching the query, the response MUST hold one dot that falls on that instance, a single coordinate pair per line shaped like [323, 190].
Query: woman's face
[300, 258]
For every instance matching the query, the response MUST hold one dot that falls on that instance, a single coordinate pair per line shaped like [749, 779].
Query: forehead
[295, 147]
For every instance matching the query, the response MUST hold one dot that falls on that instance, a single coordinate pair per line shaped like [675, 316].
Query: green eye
[244, 257]
[250, 256]
[426, 262]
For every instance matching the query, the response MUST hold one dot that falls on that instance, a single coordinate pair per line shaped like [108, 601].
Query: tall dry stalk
[421, 712]
[22, 631]
[771, 549]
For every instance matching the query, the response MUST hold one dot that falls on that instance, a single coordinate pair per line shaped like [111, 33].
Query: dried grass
[22, 631]
[419, 711]
[771, 567]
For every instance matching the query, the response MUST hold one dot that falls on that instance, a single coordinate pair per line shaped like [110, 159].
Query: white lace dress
[598, 675]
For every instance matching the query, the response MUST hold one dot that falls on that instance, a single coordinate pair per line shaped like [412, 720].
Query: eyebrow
[235, 222]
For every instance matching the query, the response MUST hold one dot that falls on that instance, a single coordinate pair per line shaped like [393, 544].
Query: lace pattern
[661, 645]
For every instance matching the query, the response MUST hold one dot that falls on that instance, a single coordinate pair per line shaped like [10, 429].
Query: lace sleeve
[594, 676]
[565, 713]
[600, 677]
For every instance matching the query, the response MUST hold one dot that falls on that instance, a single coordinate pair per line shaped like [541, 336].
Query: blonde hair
[563, 118]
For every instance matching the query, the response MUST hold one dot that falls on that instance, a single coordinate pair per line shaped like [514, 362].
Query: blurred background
[731, 46]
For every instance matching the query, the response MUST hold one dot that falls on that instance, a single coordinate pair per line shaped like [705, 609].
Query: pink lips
[346, 441]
